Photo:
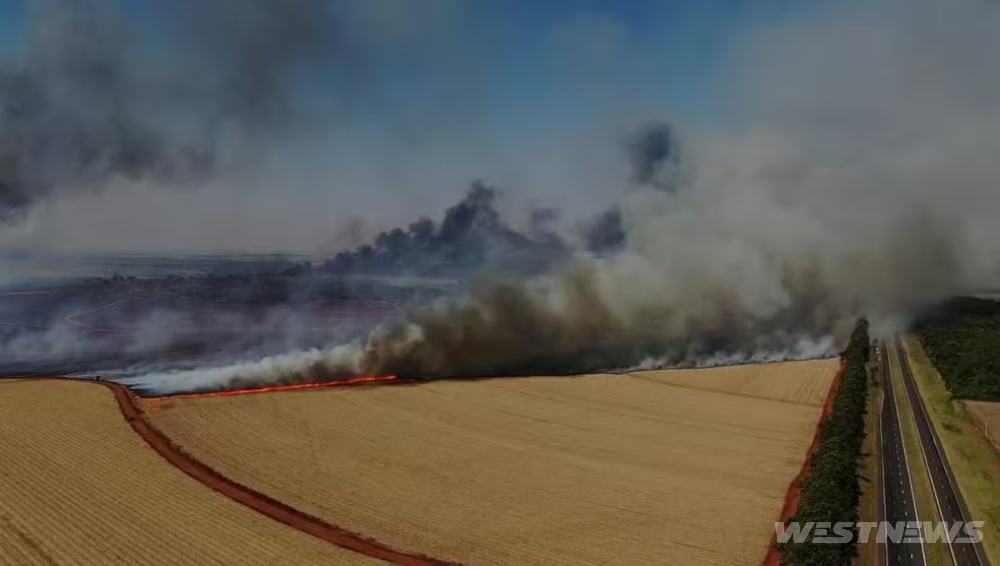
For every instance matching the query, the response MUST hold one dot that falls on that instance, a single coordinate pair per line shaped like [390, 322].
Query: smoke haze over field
[855, 175]
[103, 101]
[87, 102]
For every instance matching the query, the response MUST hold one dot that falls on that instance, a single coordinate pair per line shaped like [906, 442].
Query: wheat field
[627, 469]
[807, 382]
[987, 416]
[79, 486]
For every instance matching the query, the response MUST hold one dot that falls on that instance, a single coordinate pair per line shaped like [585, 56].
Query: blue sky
[536, 96]
[671, 50]
[11, 18]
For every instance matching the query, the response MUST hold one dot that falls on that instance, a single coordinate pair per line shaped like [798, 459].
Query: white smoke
[862, 180]
[296, 366]
[800, 349]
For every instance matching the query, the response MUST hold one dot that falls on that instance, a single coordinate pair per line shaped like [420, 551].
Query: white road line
[906, 459]
[913, 415]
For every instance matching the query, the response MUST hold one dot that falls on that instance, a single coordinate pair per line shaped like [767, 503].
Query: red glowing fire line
[365, 379]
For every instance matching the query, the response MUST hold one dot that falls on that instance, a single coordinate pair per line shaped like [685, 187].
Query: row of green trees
[831, 491]
[962, 337]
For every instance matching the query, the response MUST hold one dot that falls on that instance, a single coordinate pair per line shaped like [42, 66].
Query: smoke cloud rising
[96, 96]
[857, 177]
[472, 235]
[655, 155]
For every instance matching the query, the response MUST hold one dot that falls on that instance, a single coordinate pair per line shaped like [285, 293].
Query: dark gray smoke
[654, 154]
[94, 97]
[861, 182]
[255, 54]
[471, 236]
[605, 233]
[566, 325]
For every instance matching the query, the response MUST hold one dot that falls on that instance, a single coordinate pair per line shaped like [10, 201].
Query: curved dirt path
[249, 497]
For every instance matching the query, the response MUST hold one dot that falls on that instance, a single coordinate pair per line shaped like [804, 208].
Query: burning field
[467, 192]
[597, 469]
[113, 326]
[653, 244]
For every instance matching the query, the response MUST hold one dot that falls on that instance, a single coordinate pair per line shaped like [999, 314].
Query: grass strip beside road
[937, 553]
[973, 460]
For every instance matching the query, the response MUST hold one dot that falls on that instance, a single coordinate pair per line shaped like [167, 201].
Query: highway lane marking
[942, 458]
[900, 353]
[906, 459]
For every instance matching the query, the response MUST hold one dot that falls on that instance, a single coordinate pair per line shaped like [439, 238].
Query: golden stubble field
[686, 467]
[987, 417]
[78, 486]
[807, 382]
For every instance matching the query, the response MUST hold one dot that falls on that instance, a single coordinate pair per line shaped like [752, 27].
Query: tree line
[831, 492]
[961, 337]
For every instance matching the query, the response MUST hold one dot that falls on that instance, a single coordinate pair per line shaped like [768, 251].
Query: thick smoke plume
[472, 235]
[92, 99]
[654, 154]
[861, 180]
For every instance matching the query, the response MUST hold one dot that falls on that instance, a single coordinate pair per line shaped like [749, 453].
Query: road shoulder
[927, 510]
[973, 461]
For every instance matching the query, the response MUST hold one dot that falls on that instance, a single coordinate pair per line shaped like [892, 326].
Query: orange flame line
[270, 388]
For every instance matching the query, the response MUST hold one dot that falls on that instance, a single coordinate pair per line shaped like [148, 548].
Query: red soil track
[249, 497]
[794, 493]
[272, 388]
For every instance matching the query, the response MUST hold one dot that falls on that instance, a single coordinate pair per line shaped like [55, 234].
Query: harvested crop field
[805, 382]
[987, 416]
[79, 486]
[630, 469]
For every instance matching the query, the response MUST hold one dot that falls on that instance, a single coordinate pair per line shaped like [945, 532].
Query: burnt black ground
[84, 326]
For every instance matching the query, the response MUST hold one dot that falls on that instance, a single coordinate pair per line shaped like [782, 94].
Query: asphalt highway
[947, 496]
[899, 503]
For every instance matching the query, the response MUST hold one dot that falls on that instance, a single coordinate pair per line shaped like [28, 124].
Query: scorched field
[668, 467]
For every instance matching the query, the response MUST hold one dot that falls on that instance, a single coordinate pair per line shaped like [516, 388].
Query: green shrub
[962, 339]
